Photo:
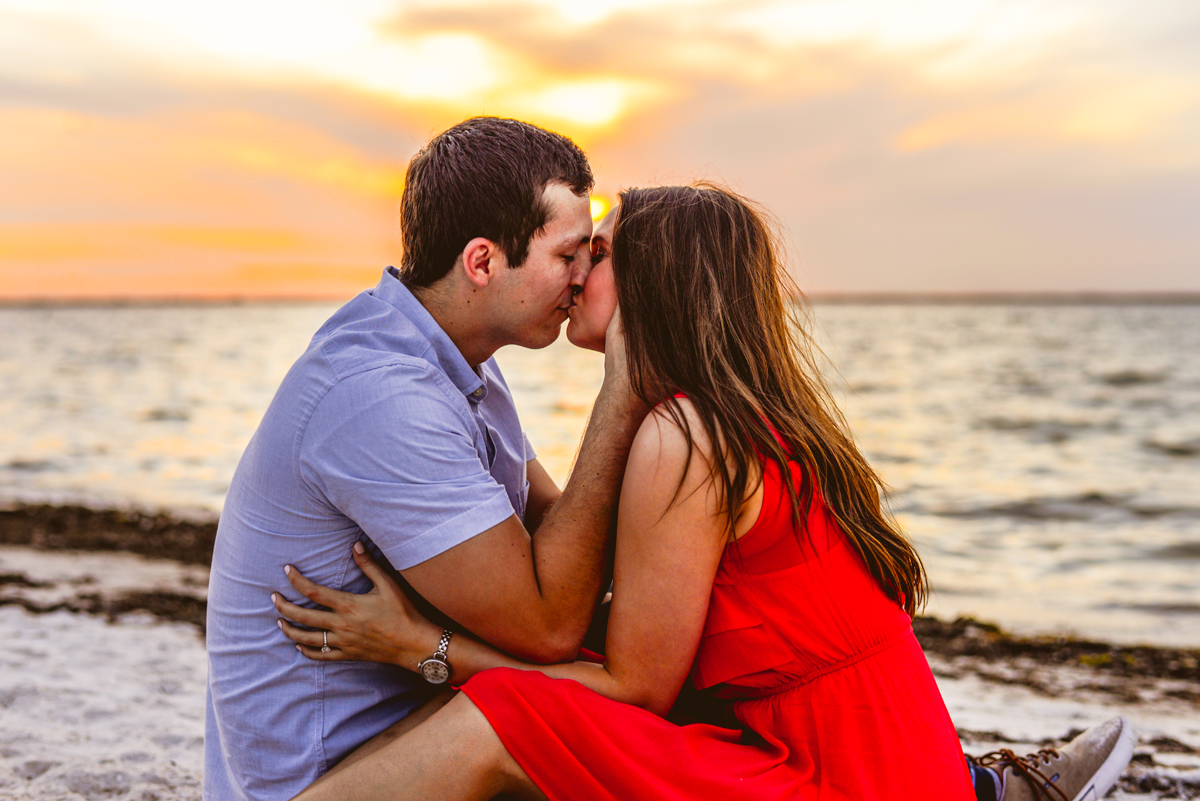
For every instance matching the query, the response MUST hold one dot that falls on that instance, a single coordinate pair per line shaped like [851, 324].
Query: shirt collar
[392, 290]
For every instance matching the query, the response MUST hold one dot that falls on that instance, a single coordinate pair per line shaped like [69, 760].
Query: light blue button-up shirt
[381, 429]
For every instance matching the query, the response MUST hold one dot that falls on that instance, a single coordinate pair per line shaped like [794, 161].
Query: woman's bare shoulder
[668, 480]
[666, 432]
[674, 451]
[670, 444]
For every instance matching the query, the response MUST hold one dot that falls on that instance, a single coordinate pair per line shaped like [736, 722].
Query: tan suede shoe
[1082, 770]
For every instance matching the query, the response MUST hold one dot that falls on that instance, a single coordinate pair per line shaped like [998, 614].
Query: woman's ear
[482, 259]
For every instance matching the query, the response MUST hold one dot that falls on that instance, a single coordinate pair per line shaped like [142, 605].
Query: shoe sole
[1108, 773]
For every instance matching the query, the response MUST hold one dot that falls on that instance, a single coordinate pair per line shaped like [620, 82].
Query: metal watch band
[444, 644]
[436, 669]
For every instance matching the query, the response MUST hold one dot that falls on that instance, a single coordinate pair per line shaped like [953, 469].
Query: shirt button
[477, 393]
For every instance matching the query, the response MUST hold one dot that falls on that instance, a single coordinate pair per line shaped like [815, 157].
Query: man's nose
[579, 272]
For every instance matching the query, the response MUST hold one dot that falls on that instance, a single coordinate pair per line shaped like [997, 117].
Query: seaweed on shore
[969, 637]
[165, 536]
[157, 535]
[171, 606]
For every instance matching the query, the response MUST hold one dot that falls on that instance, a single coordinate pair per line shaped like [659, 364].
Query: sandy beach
[102, 676]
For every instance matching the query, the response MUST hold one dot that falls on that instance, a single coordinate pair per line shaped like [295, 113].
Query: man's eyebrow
[573, 242]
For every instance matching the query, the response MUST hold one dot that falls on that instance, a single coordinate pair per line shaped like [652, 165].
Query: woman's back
[820, 662]
[786, 605]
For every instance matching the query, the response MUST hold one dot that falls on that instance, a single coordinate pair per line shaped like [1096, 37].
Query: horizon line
[966, 298]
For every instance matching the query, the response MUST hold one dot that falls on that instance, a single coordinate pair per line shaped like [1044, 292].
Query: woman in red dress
[753, 555]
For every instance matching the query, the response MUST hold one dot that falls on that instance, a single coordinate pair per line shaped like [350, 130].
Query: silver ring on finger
[325, 642]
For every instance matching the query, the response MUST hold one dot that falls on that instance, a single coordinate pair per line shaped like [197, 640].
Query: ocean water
[1046, 459]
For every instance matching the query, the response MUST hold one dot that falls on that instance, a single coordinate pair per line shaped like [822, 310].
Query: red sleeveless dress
[822, 670]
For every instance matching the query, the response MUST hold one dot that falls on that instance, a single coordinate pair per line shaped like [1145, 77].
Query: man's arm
[543, 492]
[669, 545]
[533, 595]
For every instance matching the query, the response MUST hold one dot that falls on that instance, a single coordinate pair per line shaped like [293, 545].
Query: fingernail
[358, 547]
[279, 623]
[274, 596]
[287, 570]
[298, 648]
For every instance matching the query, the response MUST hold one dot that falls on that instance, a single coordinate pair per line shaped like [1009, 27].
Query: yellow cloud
[304, 278]
[46, 242]
[588, 103]
[273, 146]
[440, 68]
[241, 239]
[341, 170]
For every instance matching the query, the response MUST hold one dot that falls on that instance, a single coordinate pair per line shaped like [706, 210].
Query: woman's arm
[667, 551]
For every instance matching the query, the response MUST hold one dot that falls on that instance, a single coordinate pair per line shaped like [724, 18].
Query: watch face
[435, 672]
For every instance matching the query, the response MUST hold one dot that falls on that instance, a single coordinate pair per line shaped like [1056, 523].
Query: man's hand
[616, 365]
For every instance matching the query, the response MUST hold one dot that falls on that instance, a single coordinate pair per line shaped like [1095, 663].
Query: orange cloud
[141, 260]
[186, 203]
[50, 154]
[283, 281]
[55, 241]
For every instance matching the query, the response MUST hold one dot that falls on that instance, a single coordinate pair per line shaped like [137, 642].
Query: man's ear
[482, 260]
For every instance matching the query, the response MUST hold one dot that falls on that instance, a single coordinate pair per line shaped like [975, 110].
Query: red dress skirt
[820, 666]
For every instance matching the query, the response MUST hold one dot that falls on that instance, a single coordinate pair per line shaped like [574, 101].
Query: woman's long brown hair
[701, 289]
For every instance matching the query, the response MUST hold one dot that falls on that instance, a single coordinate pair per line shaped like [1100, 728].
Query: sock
[987, 783]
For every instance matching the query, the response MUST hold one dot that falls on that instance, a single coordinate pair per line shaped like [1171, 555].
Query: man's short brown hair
[482, 178]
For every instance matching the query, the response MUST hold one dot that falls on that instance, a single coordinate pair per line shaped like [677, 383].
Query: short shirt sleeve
[530, 454]
[394, 451]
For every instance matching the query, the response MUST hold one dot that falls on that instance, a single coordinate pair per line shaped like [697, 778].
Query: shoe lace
[1025, 766]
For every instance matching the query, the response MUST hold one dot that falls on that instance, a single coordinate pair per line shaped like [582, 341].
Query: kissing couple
[400, 593]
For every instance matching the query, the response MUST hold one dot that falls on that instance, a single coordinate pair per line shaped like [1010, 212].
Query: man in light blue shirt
[396, 426]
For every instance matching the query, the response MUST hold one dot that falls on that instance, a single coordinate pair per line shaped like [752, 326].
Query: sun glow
[593, 103]
[600, 207]
[589, 103]
[437, 67]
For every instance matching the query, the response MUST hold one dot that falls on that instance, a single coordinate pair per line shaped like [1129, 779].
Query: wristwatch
[436, 669]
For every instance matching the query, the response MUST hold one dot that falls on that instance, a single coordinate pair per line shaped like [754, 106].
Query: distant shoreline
[1180, 298]
[1007, 298]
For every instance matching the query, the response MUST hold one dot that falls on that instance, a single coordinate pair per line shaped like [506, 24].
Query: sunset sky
[256, 148]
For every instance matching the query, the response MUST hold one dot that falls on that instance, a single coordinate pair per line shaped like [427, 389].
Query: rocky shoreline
[967, 641]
